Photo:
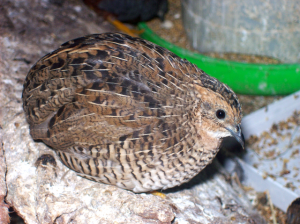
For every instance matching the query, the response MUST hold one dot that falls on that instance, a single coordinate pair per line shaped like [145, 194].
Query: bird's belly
[140, 175]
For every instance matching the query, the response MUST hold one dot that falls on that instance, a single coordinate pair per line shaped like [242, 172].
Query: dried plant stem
[271, 207]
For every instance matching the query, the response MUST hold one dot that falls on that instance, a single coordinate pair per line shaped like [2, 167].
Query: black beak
[238, 135]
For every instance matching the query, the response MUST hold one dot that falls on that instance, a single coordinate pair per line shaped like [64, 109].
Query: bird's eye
[220, 114]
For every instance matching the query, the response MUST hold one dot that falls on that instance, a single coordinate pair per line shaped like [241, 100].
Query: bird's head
[218, 109]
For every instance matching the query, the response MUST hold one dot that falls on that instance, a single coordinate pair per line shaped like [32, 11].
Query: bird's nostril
[237, 128]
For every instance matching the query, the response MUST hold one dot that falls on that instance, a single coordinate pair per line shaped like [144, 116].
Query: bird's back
[118, 110]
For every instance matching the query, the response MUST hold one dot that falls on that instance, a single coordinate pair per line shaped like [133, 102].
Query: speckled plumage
[126, 112]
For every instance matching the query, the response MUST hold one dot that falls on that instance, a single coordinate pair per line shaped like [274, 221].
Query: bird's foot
[156, 193]
[122, 27]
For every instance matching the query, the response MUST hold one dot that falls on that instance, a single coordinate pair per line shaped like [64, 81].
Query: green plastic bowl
[243, 78]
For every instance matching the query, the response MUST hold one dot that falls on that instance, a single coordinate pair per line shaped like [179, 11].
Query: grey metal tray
[272, 158]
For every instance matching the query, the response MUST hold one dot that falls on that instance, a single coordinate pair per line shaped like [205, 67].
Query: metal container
[257, 27]
[271, 159]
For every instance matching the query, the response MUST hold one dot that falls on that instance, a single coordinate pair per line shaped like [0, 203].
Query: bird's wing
[103, 91]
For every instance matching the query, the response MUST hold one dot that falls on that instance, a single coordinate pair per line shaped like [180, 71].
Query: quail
[123, 111]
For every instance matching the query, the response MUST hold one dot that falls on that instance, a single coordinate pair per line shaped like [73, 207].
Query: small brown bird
[126, 112]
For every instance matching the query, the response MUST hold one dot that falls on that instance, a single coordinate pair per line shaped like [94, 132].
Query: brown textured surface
[4, 217]
[126, 112]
